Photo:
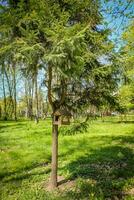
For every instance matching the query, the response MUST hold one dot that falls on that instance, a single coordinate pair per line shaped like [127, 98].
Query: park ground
[93, 165]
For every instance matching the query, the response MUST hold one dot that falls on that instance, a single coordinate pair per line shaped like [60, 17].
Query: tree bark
[54, 163]
[54, 167]
[11, 103]
[4, 95]
[14, 88]
[29, 87]
[0, 112]
[36, 98]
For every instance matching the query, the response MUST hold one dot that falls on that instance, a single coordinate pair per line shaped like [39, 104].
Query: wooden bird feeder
[62, 117]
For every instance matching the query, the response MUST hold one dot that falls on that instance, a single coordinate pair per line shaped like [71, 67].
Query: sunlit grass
[99, 162]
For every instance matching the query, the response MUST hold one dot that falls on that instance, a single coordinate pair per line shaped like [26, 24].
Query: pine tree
[65, 38]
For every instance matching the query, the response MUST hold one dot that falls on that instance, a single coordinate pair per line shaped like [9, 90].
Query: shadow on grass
[24, 170]
[12, 125]
[103, 174]
[125, 139]
[26, 173]
[119, 121]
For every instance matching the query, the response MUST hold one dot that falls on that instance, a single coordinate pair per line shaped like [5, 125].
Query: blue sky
[116, 21]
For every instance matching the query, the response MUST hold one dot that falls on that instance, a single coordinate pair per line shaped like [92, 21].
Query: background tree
[126, 92]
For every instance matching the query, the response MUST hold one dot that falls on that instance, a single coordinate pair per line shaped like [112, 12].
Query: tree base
[63, 184]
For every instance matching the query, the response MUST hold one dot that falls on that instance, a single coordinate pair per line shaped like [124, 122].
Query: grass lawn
[95, 165]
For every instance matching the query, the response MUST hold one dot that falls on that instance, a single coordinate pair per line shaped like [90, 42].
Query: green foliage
[77, 128]
[65, 35]
[126, 97]
[128, 51]
[126, 92]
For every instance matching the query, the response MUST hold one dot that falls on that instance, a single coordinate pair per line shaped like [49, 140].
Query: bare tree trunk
[26, 97]
[4, 95]
[14, 89]
[54, 167]
[11, 103]
[45, 111]
[36, 98]
[29, 97]
[31, 91]
[55, 105]
[0, 112]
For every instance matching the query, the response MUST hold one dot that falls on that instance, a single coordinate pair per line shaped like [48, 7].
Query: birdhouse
[62, 117]
[57, 117]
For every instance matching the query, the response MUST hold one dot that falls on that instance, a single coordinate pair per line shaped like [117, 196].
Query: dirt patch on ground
[63, 184]
[130, 192]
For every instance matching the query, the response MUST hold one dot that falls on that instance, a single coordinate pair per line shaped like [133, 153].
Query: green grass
[98, 164]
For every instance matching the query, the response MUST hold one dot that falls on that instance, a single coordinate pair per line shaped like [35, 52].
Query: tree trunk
[0, 112]
[54, 167]
[36, 98]
[14, 92]
[29, 97]
[11, 103]
[4, 95]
